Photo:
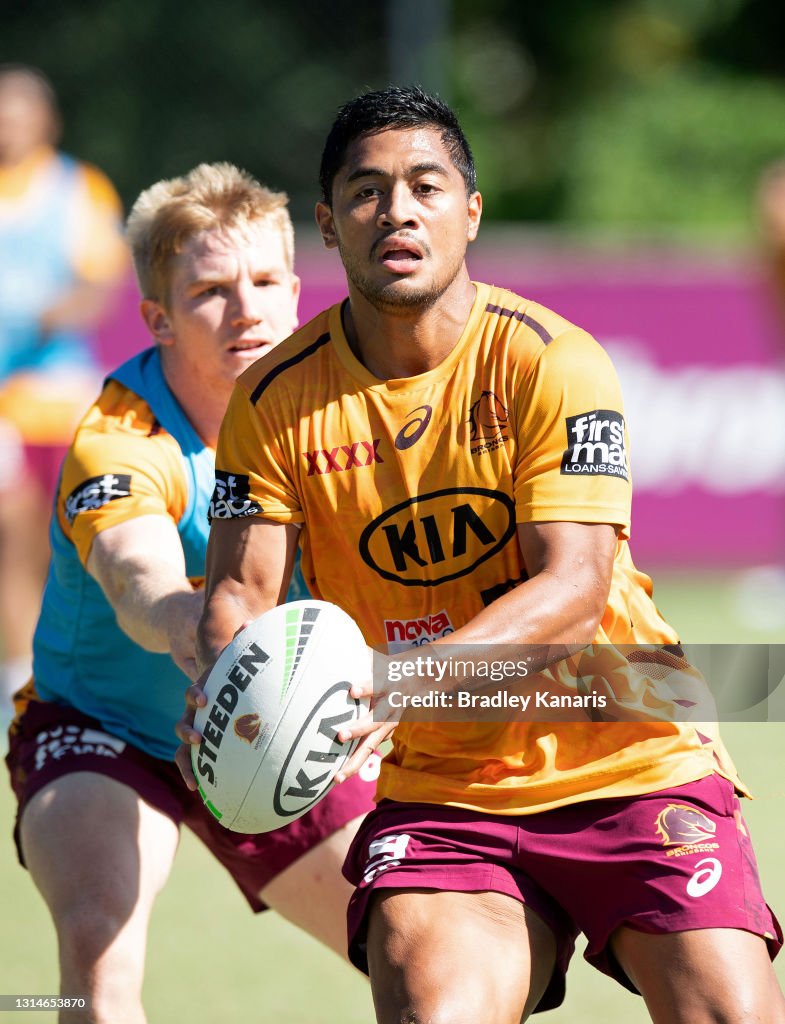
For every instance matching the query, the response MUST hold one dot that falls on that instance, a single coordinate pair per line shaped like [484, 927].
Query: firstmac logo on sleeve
[595, 444]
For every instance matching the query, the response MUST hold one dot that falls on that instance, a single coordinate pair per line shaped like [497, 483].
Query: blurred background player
[100, 800]
[61, 256]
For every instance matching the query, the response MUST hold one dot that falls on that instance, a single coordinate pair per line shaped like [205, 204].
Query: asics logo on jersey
[231, 498]
[411, 432]
[96, 492]
[356, 455]
[440, 536]
[595, 444]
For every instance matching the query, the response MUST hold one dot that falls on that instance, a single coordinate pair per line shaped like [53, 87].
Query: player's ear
[157, 320]
[475, 213]
[324, 219]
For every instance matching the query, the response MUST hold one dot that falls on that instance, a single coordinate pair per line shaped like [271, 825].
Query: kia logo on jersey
[355, 455]
[440, 536]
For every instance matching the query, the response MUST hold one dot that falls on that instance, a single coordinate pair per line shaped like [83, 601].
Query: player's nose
[246, 305]
[398, 208]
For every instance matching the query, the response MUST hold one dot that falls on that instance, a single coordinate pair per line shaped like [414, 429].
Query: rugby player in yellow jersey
[91, 751]
[451, 458]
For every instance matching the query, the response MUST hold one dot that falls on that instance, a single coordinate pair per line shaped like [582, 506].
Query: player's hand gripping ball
[276, 698]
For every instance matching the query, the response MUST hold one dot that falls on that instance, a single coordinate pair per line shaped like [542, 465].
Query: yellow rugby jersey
[409, 493]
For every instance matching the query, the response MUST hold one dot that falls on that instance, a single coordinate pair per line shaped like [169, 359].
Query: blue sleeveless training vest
[81, 656]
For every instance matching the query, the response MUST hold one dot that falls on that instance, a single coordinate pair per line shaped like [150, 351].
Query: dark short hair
[395, 107]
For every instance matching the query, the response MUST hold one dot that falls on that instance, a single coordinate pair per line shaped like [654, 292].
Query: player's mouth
[399, 255]
[251, 347]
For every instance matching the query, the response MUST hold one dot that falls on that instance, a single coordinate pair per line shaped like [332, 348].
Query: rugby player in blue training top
[91, 748]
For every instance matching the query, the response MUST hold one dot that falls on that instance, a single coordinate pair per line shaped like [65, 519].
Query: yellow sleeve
[100, 253]
[114, 472]
[251, 474]
[571, 463]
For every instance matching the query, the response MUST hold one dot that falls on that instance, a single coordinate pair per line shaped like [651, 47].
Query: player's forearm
[153, 607]
[546, 618]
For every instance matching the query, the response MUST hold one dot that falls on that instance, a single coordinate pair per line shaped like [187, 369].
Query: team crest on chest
[488, 423]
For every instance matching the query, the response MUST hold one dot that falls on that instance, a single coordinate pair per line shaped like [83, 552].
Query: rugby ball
[276, 698]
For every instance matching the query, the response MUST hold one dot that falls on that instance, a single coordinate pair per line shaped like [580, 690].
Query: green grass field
[209, 959]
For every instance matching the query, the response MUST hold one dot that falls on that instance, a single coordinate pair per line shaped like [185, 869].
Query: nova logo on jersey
[96, 492]
[231, 497]
[595, 444]
[440, 536]
[356, 455]
[405, 633]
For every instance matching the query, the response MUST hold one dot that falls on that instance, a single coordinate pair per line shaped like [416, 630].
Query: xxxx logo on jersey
[687, 829]
[355, 455]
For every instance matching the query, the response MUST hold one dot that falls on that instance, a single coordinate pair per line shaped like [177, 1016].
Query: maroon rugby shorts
[670, 861]
[50, 740]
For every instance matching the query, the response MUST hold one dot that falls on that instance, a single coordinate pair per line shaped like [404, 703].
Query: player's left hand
[372, 728]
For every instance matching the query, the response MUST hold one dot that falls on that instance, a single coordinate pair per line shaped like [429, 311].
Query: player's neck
[404, 342]
[203, 405]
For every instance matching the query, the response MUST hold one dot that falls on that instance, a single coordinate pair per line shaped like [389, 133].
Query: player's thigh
[312, 892]
[706, 976]
[457, 957]
[94, 848]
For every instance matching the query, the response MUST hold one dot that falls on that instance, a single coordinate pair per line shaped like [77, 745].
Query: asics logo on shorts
[708, 873]
[385, 853]
[73, 739]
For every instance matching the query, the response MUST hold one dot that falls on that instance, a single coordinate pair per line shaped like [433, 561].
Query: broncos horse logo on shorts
[487, 417]
[682, 825]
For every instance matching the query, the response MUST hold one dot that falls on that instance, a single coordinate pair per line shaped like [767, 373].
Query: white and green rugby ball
[276, 698]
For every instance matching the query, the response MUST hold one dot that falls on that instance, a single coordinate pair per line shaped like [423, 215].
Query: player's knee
[462, 1005]
[89, 936]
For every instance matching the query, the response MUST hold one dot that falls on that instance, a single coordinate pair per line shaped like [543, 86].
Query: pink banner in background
[700, 352]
